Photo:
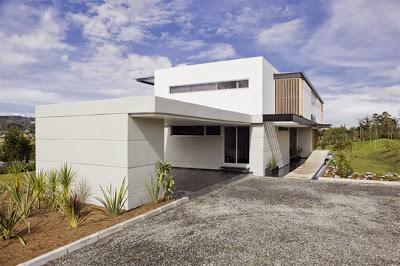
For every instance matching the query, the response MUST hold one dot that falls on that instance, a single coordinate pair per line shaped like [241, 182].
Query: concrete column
[145, 149]
[257, 148]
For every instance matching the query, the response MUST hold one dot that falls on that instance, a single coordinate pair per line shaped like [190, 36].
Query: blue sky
[58, 51]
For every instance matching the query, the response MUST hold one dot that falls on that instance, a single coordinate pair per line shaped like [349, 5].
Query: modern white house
[239, 113]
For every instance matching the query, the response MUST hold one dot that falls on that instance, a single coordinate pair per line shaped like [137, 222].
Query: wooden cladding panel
[287, 96]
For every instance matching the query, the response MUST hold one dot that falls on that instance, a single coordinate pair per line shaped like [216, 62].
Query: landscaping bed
[49, 230]
[332, 171]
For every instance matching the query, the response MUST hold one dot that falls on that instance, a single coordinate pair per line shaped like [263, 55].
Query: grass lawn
[377, 156]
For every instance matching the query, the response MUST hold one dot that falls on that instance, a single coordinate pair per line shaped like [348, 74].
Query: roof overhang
[292, 120]
[149, 107]
[146, 80]
[301, 75]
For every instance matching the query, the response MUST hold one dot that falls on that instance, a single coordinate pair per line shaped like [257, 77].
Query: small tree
[16, 146]
[343, 165]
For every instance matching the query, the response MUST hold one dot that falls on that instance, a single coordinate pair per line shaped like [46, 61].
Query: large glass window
[230, 144]
[243, 143]
[211, 86]
[237, 143]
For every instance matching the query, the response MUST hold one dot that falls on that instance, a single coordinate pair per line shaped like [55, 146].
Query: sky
[74, 50]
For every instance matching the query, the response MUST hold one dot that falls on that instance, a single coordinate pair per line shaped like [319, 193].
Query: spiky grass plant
[23, 199]
[9, 218]
[154, 188]
[113, 199]
[15, 171]
[66, 178]
[52, 189]
[72, 207]
[38, 183]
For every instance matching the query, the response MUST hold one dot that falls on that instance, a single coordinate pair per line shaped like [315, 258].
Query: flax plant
[113, 199]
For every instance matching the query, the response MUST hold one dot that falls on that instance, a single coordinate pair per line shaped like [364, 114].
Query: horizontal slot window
[213, 130]
[203, 87]
[243, 83]
[227, 85]
[187, 130]
[176, 89]
[235, 84]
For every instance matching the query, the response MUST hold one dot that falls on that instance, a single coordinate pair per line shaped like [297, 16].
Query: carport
[105, 141]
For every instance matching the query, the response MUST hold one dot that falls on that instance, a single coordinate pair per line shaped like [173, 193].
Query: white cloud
[181, 43]
[287, 33]
[248, 17]
[27, 96]
[46, 36]
[127, 20]
[218, 51]
[357, 34]
[347, 107]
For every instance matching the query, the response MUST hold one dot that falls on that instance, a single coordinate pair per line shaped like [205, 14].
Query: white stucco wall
[245, 100]
[268, 91]
[204, 152]
[304, 137]
[310, 106]
[101, 148]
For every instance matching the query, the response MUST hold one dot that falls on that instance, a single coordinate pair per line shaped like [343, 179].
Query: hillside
[378, 156]
[25, 123]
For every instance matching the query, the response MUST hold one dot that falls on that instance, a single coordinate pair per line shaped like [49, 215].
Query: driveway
[260, 221]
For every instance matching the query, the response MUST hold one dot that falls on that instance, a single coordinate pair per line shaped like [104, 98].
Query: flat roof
[143, 106]
[301, 75]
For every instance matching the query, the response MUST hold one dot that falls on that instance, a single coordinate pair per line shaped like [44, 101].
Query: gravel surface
[260, 221]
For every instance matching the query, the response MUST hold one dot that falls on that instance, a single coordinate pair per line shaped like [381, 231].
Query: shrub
[52, 189]
[113, 199]
[72, 207]
[271, 164]
[9, 218]
[166, 179]
[154, 189]
[23, 200]
[38, 184]
[66, 178]
[343, 166]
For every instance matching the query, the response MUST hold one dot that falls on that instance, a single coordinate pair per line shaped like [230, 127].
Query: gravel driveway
[261, 221]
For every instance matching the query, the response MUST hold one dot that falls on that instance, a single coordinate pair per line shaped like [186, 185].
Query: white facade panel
[244, 100]
[268, 89]
[204, 152]
[312, 105]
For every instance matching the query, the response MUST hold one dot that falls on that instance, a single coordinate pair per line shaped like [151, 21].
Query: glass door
[230, 144]
[237, 143]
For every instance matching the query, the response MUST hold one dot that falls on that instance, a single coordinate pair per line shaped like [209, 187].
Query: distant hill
[25, 123]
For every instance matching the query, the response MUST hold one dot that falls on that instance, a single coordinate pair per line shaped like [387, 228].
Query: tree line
[372, 127]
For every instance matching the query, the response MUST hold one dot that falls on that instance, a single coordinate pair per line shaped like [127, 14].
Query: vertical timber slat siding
[289, 98]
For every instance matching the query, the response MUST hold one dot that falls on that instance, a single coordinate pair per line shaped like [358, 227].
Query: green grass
[377, 156]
